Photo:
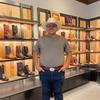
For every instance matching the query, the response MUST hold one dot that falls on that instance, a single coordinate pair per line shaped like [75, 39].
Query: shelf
[94, 40]
[16, 39]
[17, 20]
[92, 29]
[12, 79]
[72, 28]
[17, 78]
[74, 73]
[80, 28]
[19, 86]
[6, 60]
[93, 52]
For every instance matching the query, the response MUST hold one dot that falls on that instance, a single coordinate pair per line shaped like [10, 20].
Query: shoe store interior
[21, 27]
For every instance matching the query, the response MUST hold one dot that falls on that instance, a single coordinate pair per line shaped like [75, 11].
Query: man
[51, 64]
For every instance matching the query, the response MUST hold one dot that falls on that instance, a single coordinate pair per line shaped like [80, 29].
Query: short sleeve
[67, 48]
[36, 47]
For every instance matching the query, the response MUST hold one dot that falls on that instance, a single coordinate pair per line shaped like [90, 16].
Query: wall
[71, 7]
[94, 10]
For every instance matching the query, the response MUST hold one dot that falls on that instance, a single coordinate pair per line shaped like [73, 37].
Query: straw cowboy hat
[51, 20]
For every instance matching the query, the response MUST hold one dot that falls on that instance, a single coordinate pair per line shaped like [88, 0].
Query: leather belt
[51, 68]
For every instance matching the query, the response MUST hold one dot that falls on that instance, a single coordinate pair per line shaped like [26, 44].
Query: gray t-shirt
[51, 50]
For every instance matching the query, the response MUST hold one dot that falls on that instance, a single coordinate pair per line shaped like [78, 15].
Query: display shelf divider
[7, 60]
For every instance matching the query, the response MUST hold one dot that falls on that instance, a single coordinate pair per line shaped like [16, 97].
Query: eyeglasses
[51, 25]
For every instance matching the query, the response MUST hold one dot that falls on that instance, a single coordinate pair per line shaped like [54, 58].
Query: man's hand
[39, 69]
[63, 68]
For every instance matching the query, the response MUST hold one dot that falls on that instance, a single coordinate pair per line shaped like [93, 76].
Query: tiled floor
[90, 91]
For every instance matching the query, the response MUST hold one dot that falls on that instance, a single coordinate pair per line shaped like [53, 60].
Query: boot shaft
[18, 49]
[7, 33]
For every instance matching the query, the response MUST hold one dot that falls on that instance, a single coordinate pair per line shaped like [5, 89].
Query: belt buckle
[51, 69]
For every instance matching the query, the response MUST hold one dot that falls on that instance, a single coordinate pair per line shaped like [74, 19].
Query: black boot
[2, 75]
[8, 53]
[25, 51]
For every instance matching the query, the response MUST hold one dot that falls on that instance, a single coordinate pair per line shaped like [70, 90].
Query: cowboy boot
[27, 70]
[2, 75]
[25, 51]
[66, 21]
[19, 52]
[20, 69]
[7, 33]
[8, 53]
[15, 32]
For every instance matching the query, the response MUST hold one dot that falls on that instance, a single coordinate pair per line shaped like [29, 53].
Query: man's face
[51, 28]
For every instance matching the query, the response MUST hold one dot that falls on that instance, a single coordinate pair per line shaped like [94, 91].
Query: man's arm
[36, 61]
[67, 62]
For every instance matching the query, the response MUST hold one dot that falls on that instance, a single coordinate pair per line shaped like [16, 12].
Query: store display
[16, 34]
[16, 40]
[95, 41]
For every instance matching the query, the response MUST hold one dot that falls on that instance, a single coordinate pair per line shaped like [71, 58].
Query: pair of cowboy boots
[2, 75]
[20, 69]
[8, 53]
[7, 32]
[23, 70]
[19, 52]
[25, 51]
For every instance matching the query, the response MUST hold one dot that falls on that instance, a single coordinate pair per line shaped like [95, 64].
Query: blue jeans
[52, 81]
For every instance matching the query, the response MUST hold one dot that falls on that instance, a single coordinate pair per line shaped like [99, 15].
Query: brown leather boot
[19, 52]
[7, 33]
[20, 69]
